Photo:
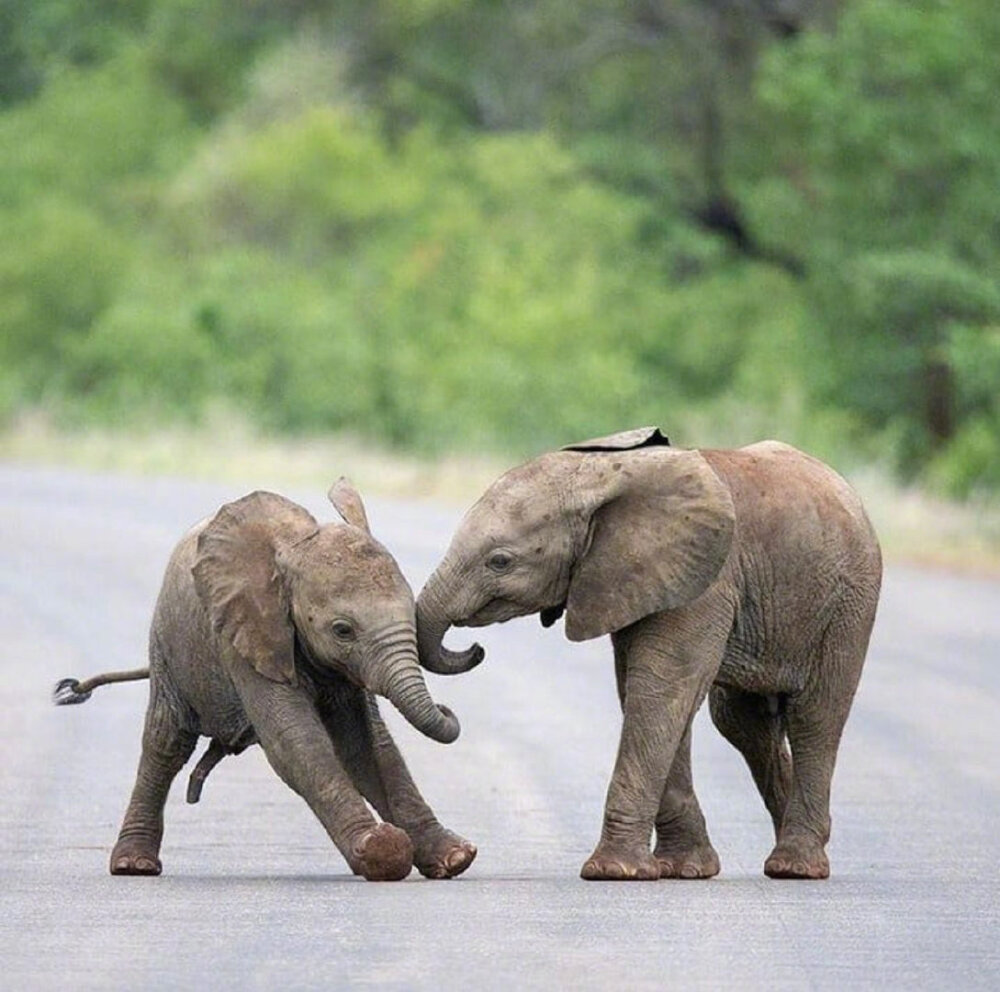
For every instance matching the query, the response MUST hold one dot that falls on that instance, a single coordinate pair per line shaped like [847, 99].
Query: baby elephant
[750, 576]
[272, 629]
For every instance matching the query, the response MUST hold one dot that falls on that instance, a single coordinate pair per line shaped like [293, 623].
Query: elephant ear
[347, 501]
[240, 585]
[639, 437]
[660, 532]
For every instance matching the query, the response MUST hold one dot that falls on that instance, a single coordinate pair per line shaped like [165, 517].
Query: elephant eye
[342, 629]
[499, 561]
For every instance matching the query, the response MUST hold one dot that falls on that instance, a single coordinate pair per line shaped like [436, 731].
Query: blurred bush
[473, 225]
[889, 135]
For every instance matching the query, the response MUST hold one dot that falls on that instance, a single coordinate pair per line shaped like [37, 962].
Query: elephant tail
[70, 691]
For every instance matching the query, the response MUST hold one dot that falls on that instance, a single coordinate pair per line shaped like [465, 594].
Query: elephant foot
[797, 861]
[443, 854]
[135, 856]
[620, 864]
[383, 854]
[695, 862]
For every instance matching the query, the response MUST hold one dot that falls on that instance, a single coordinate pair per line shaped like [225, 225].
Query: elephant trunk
[432, 625]
[401, 681]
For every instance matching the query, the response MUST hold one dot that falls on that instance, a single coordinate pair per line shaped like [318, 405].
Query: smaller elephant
[272, 629]
[750, 576]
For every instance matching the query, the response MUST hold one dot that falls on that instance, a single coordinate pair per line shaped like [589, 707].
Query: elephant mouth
[551, 614]
[496, 611]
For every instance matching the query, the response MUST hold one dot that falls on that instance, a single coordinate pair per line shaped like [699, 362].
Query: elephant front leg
[378, 769]
[437, 851]
[664, 665]
[300, 750]
[637, 781]
[683, 849]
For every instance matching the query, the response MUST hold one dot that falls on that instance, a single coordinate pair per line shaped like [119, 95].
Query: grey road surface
[254, 896]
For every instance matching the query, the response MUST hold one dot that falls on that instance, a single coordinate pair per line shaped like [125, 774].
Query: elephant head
[274, 583]
[608, 531]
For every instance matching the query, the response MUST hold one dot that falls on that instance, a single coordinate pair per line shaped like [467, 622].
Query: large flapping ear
[660, 532]
[347, 501]
[240, 585]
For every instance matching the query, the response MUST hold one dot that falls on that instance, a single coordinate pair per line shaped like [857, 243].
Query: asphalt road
[254, 896]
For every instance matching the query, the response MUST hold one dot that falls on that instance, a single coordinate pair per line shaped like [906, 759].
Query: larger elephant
[272, 629]
[749, 575]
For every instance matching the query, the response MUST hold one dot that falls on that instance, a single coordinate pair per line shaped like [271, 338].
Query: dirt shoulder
[913, 526]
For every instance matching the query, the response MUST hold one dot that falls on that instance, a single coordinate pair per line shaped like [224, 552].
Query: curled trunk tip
[434, 656]
[451, 728]
[404, 687]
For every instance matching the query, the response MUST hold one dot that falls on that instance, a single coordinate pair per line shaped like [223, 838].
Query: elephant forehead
[342, 557]
[510, 514]
[530, 494]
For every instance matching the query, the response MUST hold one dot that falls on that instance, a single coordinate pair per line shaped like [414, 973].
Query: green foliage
[20, 77]
[97, 134]
[448, 333]
[887, 131]
[447, 225]
[897, 311]
[39, 37]
[890, 125]
[971, 463]
[201, 48]
[141, 357]
[59, 269]
[315, 183]
[286, 351]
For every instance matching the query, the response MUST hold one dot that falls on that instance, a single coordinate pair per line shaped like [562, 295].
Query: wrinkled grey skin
[272, 629]
[751, 576]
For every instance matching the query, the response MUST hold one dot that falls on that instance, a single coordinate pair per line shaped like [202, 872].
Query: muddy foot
[134, 857]
[620, 865]
[443, 855]
[383, 854]
[786, 861]
[698, 862]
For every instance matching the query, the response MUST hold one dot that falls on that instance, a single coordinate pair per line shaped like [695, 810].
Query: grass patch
[918, 527]
[231, 451]
[913, 525]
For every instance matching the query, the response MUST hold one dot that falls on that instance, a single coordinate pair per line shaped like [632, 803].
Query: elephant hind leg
[755, 726]
[165, 749]
[815, 719]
